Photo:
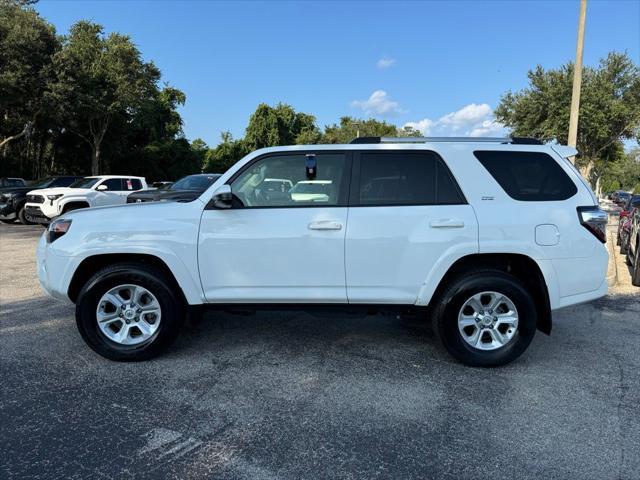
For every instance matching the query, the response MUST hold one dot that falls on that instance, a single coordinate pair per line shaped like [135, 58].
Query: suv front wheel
[129, 312]
[485, 318]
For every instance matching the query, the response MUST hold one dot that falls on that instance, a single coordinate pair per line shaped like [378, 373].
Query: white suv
[486, 237]
[47, 203]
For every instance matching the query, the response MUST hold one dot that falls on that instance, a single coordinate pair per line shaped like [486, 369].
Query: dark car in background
[12, 199]
[10, 182]
[633, 251]
[624, 223]
[184, 190]
[620, 197]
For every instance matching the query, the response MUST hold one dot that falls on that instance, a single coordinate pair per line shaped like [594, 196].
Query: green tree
[609, 110]
[101, 80]
[349, 128]
[623, 174]
[27, 43]
[225, 154]
[280, 125]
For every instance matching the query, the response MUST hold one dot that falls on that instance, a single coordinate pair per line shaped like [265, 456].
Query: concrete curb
[612, 268]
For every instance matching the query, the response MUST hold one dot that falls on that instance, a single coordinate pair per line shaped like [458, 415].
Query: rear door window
[113, 184]
[131, 184]
[404, 178]
[528, 176]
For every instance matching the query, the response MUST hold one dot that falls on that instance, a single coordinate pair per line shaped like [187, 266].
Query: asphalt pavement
[290, 395]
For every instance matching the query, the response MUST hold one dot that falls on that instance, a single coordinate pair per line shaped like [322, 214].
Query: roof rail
[511, 140]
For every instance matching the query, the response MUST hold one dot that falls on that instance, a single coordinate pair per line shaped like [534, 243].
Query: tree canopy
[609, 109]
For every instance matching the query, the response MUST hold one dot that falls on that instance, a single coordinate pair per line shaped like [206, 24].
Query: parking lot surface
[290, 395]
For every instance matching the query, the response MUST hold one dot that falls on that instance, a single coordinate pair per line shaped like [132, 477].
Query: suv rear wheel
[485, 318]
[129, 312]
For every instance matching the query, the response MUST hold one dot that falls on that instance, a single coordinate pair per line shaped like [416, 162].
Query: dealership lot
[295, 395]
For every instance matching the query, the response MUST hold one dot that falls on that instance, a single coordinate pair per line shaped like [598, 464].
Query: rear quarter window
[528, 176]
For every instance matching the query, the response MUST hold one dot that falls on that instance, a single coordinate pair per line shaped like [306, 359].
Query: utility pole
[577, 79]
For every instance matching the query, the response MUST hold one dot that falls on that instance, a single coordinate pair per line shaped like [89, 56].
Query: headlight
[57, 228]
[54, 197]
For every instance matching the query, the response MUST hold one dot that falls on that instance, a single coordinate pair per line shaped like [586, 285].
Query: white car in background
[45, 204]
[312, 191]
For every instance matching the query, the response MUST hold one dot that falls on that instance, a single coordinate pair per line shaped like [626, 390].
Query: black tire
[635, 270]
[22, 216]
[458, 291]
[152, 279]
[624, 248]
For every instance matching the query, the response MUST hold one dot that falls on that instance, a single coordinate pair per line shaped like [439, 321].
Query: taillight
[57, 228]
[594, 219]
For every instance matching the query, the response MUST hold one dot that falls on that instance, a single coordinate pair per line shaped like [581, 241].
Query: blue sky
[439, 65]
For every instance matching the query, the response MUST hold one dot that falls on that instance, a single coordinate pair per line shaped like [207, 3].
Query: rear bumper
[584, 297]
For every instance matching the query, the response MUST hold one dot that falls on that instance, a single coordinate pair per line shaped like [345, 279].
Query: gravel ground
[292, 395]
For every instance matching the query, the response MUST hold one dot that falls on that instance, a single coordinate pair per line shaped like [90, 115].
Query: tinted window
[195, 182]
[405, 178]
[132, 184]
[529, 176]
[113, 184]
[63, 182]
[291, 181]
[13, 182]
[85, 183]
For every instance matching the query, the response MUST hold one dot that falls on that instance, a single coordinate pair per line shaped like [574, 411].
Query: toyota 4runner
[485, 237]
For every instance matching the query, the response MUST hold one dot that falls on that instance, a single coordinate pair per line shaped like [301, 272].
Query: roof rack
[511, 140]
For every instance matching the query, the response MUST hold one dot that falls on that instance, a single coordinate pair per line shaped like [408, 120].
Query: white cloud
[423, 125]
[474, 120]
[378, 103]
[385, 62]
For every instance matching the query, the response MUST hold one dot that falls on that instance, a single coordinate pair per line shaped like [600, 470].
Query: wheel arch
[75, 203]
[523, 267]
[90, 265]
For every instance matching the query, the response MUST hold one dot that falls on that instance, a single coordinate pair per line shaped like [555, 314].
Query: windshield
[42, 183]
[194, 182]
[85, 183]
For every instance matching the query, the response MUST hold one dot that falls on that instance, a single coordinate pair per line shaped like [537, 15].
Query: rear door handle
[446, 223]
[325, 225]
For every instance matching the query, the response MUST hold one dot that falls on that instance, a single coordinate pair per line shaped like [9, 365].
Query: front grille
[35, 199]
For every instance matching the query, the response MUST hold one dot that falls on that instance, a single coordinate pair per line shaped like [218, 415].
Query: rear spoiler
[565, 151]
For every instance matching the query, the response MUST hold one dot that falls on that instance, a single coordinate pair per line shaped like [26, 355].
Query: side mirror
[101, 188]
[222, 197]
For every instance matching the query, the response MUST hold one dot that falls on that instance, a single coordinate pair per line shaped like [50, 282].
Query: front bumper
[35, 214]
[54, 271]
[7, 211]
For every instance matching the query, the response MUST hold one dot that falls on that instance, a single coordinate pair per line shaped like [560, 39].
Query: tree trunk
[95, 160]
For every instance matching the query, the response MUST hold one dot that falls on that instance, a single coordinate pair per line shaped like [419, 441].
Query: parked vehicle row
[13, 199]
[628, 236]
[487, 237]
[50, 197]
[620, 197]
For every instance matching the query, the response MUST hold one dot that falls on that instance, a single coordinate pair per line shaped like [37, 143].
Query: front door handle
[325, 225]
[446, 223]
